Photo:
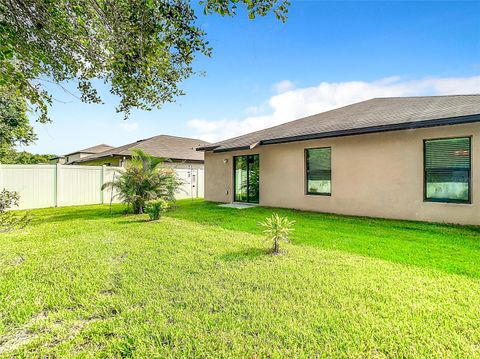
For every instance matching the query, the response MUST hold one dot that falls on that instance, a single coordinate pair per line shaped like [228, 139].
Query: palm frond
[277, 228]
[145, 178]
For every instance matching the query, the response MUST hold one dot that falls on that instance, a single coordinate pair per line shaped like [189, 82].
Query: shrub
[8, 199]
[145, 179]
[10, 220]
[276, 229]
[155, 208]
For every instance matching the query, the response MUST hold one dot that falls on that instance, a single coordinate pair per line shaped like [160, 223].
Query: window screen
[447, 170]
[319, 171]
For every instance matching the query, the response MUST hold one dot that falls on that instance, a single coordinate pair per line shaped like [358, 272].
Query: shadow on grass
[449, 248]
[76, 213]
[248, 254]
[134, 218]
[246, 220]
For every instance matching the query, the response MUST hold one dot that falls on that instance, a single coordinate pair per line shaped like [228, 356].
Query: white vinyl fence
[43, 186]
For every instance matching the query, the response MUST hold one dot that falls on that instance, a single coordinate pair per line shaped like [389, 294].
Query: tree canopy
[15, 129]
[25, 158]
[142, 48]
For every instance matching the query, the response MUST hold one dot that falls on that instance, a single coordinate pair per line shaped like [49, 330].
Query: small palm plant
[277, 228]
[145, 178]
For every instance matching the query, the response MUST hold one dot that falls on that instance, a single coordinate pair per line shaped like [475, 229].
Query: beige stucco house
[179, 152]
[414, 158]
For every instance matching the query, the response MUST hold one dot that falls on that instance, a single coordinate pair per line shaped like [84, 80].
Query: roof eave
[205, 148]
[362, 131]
[86, 159]
[78, 152]
[239, 148]
[186, 160]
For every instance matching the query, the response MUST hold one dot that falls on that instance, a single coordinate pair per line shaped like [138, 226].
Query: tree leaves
[142, 48]
[15, 128]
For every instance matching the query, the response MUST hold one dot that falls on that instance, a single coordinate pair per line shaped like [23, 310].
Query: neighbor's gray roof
[376, 115]
[95, 149]
[164, 146]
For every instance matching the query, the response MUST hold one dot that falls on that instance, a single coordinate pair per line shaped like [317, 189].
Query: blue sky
[264, 72]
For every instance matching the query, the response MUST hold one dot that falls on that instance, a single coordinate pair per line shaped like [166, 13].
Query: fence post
[192, 178]
[56, 179]
[102, 180]
[196, 184]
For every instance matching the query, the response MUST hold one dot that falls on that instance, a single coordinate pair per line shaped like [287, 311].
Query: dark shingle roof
[376, 115]
[95, 149]
[164, 146]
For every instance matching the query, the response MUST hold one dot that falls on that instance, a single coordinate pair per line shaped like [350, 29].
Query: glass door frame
[247, 157]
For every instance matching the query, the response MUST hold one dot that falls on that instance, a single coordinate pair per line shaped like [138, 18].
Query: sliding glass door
[246, 178]
[241, 178]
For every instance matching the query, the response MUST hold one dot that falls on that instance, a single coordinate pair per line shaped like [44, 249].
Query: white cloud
[129, 126]
[258, 109]
[294, 104]
[283, 86]
[253, 110]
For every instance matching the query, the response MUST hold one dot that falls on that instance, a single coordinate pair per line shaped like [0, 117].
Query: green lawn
[79, 282]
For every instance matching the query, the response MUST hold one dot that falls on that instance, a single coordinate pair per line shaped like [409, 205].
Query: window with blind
[319, 171]
[447, 164]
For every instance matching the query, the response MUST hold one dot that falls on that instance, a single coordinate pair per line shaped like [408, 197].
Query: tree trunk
[275, 246]
[137, 208]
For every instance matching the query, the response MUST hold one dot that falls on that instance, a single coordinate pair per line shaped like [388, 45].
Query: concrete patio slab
[238, 205]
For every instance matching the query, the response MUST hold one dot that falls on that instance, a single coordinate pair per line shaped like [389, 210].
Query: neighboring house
[178, 151]
[412, 158]
[78, 155]
[60, 160]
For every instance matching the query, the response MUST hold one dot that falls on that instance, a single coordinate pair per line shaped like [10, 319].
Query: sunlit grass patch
[201, 282]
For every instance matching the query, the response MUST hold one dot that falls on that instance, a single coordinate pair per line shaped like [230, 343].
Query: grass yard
[79, 282]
